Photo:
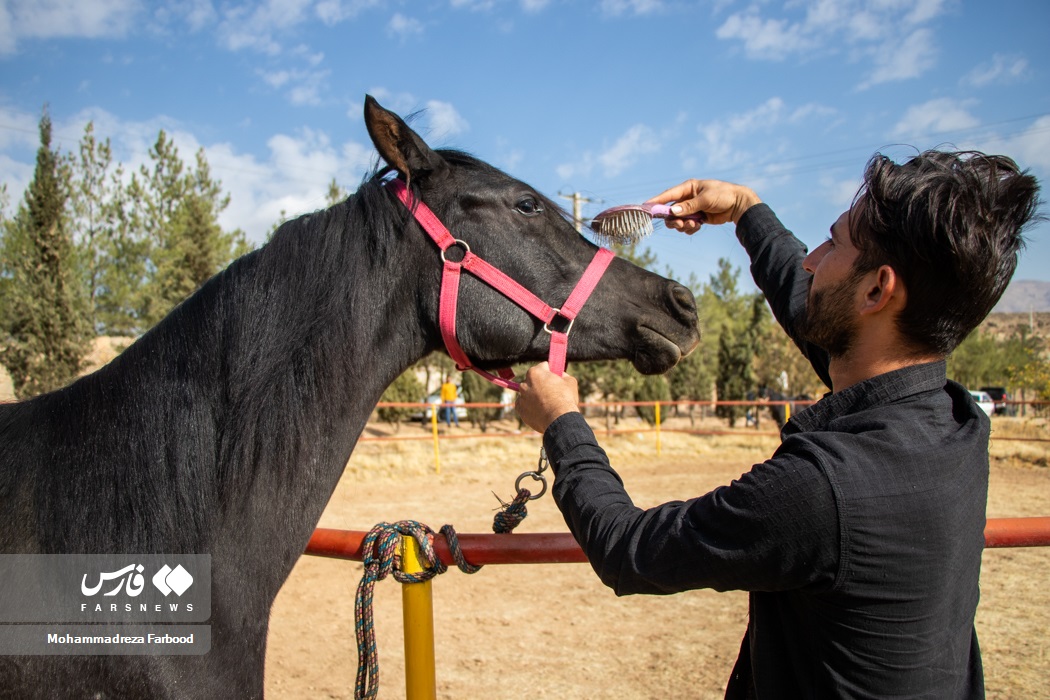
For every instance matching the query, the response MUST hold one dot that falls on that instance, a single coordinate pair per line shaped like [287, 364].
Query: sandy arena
[554, 631]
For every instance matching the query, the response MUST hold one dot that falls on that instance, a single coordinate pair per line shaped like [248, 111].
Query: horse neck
[332, 316]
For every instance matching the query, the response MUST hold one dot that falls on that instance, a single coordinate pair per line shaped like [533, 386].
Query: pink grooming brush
[632, 222]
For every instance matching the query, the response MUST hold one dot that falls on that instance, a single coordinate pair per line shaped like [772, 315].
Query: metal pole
[657, 428]
[434, 429]
[417, 604]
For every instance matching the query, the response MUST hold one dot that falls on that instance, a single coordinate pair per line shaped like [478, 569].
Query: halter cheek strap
[452, 271]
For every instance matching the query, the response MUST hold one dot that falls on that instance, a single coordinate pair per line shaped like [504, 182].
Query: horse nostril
[683, 299]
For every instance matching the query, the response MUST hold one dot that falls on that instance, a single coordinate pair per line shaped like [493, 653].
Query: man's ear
[882, 289]
[399, 146]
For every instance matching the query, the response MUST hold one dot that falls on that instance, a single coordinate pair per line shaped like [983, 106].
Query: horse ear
[399, 146]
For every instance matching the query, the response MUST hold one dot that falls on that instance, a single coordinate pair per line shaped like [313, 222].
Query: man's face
[830, 321]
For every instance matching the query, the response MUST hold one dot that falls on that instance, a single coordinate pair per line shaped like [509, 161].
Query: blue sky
[615, 99]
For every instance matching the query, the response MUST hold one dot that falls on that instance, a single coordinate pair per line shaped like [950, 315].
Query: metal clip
[538, 477]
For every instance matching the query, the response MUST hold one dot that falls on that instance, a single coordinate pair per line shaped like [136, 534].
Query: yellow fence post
[434, 429]
[787, 412]
[417, 605]
[657, 428]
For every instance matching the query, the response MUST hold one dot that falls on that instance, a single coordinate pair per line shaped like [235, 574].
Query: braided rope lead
[381, 557]
[511, 514]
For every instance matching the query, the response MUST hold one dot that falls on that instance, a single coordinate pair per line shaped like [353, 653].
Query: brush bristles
[625, 227]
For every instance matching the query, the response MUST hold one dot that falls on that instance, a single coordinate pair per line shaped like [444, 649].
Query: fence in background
[759, 419]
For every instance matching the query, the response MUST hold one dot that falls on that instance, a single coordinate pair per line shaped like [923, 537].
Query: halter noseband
[501, 283]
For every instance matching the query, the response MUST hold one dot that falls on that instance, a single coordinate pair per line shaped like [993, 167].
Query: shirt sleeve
[776, 266]
[774, 528]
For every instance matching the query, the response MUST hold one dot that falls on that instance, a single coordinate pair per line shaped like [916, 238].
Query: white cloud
[444, 121]
[909, 59]
[533, 6]
[404, 27]
[47, 19]
[937, 116]
[868, 29]
[637, 141]
[1001, 69]
[303, 86]
[292, 175]
[840, 193]
[1030, 148]
[474, 5]
[772, 39]
[718, 139]
[615, 8]
[335, 11]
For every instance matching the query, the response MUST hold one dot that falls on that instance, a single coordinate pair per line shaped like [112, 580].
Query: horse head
[632, 313]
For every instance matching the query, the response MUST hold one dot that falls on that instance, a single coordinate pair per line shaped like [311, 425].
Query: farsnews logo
[169, 580]
[129, 578]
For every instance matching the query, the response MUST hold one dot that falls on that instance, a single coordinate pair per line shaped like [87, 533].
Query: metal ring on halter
[538, 477]
[456, 242]
[557, 312]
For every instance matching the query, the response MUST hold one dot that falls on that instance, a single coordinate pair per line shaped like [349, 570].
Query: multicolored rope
[511, 514]
[381, 556]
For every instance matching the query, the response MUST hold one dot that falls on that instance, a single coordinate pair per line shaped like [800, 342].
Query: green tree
[188, 245]
[736, 321]
[780, 357]
[477, 389]
[980, 360]
[104, 223]
[334, 195]
[405, 389]
[653, 387]
[45, 332]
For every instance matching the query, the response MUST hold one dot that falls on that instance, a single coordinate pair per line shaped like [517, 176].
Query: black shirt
[860, 539]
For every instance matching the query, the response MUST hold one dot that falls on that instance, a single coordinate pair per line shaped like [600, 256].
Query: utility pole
[577, 209]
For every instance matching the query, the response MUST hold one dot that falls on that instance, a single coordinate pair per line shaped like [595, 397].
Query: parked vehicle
[1001, 399]
[984, 401]
[435, 399]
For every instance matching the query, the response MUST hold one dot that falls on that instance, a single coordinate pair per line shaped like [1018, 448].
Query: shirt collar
[880, 390]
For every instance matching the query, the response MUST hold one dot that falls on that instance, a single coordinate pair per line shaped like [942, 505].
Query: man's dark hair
[949, 224]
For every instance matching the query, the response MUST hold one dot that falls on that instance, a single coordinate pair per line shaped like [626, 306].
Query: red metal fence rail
[561, 548]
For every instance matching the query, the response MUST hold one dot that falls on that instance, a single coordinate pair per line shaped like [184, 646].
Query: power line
[836, 163]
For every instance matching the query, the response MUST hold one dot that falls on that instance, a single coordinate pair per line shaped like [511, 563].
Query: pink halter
[501, 283]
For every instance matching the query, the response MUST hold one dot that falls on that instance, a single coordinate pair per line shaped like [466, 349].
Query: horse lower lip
[656, 353]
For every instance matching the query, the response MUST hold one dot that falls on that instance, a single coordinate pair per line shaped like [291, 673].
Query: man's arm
[776, 255]
[776, 266]
[774, 528]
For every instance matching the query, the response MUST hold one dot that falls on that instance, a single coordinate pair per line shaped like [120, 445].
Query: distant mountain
[1023, 296]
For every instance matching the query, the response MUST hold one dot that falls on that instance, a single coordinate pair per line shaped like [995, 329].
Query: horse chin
[655, 353]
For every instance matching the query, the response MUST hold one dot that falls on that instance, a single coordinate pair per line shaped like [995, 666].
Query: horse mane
[247, 362]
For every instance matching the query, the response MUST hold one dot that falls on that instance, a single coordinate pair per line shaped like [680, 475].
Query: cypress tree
[45, 333]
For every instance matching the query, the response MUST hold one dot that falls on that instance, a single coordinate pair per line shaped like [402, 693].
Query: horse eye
[528, 206]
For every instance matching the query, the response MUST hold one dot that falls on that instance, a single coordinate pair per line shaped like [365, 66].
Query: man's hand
[719, 201]
[544, 397]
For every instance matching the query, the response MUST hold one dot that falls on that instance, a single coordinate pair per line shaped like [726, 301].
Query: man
[449, 392]
[860, 539]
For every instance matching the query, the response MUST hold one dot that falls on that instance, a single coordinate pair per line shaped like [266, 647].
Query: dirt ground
[554, 631]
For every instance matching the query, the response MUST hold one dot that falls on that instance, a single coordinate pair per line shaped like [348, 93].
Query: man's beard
[829, 321]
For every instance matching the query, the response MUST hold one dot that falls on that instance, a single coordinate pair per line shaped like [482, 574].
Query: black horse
[225, 428]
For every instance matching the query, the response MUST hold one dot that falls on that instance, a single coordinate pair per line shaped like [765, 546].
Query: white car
[435, 398]
[984, 401]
